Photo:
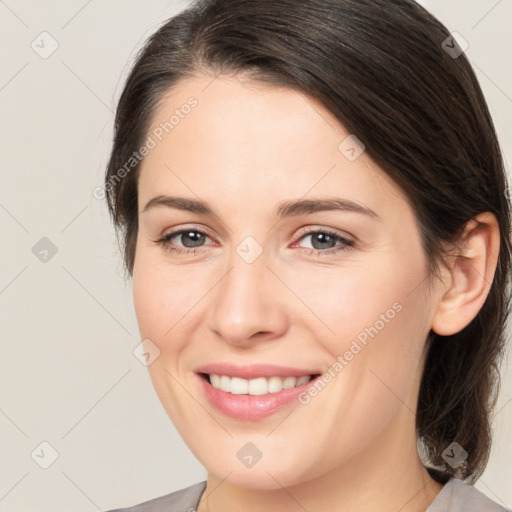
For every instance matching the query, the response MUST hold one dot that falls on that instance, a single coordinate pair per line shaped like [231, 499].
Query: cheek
[162, 300]
[380, 299]
[147, 300]
[159, 299]
[380, 321]
[169, 303]
[351, 302]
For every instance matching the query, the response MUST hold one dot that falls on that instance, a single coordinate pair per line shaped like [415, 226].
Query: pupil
[326, 238]
[191, 234]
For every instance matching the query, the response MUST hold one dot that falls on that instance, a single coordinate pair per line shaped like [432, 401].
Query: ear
[470, 277]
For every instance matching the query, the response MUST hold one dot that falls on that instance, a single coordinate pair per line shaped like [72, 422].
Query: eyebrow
[284, 209]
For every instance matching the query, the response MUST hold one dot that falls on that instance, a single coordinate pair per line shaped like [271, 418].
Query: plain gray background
[68, 374]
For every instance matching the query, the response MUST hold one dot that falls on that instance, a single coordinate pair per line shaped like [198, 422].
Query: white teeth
[239, 386]
[225, 383]
[215, 381]
[289, 382]
[258, 386]
[274, 384]
[303, 380]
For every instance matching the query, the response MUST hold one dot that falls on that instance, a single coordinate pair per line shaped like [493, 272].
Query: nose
[249, 303]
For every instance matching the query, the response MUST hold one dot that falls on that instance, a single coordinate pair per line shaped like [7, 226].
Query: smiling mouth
[257, 386]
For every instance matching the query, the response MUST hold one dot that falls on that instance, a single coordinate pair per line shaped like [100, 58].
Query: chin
[263, 476]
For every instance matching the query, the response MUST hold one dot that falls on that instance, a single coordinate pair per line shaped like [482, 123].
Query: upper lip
[254, 371]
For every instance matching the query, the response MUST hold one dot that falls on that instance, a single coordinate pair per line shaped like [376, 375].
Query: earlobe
[470, 275]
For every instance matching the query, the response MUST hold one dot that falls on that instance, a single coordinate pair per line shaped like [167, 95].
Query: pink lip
[254, 371]
[252, 407]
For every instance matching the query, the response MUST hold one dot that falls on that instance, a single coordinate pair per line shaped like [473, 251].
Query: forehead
[251, 115]
[253, 139]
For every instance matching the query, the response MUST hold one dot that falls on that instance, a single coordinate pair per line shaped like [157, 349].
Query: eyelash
[347, 244]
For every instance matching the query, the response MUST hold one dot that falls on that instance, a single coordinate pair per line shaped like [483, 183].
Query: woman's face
[317, 290]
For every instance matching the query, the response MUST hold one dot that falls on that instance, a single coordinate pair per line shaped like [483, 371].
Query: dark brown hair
[384, 68]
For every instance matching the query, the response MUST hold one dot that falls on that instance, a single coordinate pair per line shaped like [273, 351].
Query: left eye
[319, 238]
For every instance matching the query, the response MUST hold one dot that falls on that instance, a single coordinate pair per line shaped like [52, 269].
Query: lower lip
[251, 407]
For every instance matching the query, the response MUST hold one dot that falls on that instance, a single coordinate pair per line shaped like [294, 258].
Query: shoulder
[184, 500]
[457, 496]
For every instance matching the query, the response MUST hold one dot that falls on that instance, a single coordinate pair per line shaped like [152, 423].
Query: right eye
[196, 237]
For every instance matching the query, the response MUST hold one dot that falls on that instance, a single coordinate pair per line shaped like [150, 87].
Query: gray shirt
[455, 496]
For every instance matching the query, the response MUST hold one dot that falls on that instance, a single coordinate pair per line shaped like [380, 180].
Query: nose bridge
[244, 304]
